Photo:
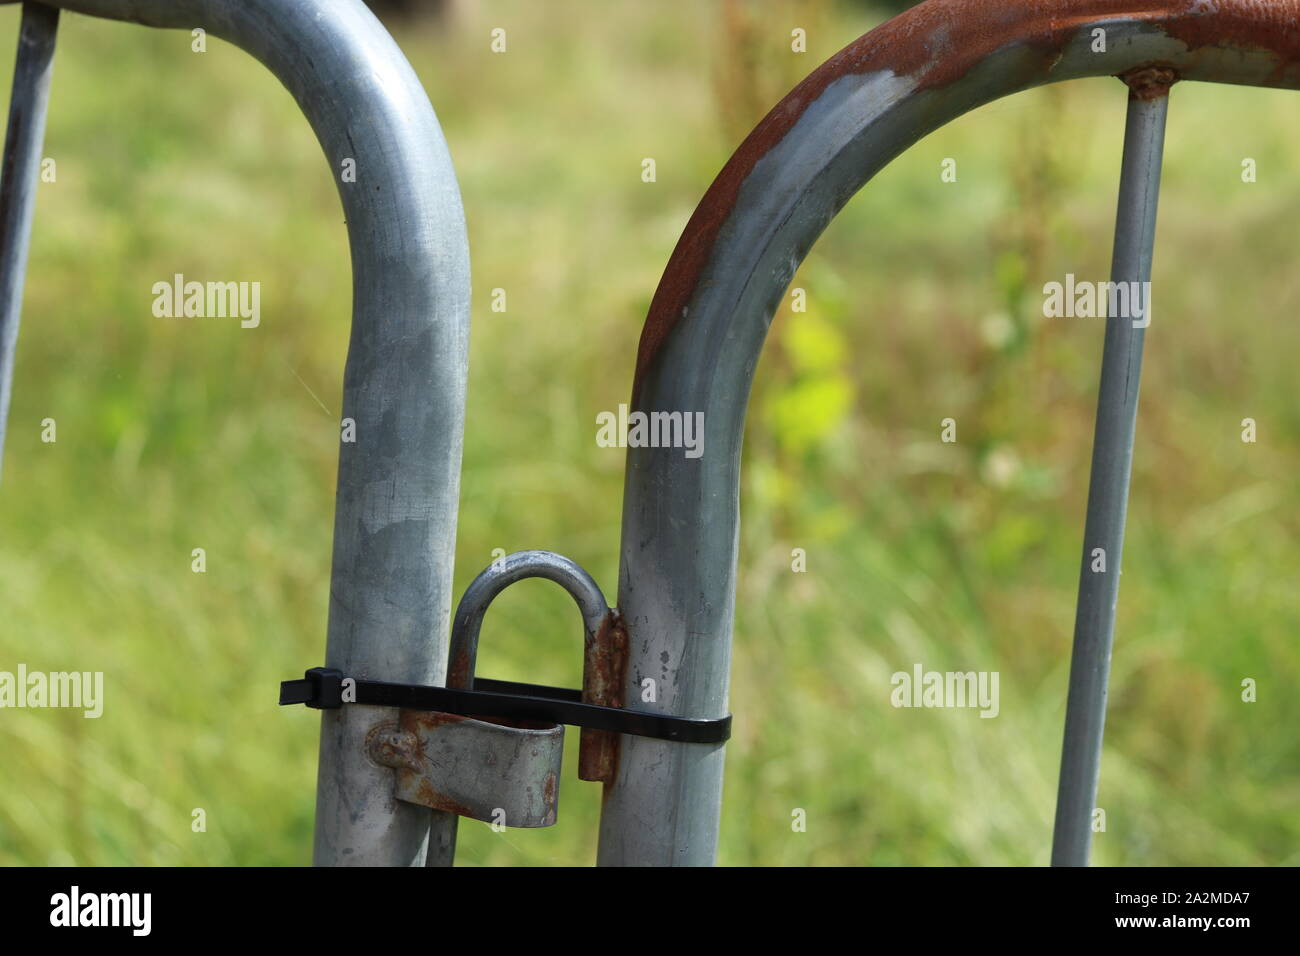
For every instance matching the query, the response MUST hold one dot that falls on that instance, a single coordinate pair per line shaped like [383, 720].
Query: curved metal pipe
[710, 315]
[404, 385]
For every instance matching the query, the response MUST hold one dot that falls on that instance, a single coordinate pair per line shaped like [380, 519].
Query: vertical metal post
[18, 178]
[1112, 460]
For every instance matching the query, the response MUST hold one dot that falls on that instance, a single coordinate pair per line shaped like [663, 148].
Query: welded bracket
[498, 771]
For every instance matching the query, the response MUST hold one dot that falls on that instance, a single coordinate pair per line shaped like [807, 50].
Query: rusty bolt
[1150, 82]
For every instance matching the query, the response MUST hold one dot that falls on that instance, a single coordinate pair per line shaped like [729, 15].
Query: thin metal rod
[18, 178]
[1112, 460]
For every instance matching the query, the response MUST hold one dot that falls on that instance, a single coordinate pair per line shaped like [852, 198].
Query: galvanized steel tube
[404, 385]
[1112, 465]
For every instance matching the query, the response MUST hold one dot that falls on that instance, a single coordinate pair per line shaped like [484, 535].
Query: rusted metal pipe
[710, 314]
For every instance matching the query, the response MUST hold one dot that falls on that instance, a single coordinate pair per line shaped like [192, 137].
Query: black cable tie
[322, 688]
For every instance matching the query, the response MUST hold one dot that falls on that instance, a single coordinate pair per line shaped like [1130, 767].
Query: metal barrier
[405, 387]
[738, 253]
[404, 384]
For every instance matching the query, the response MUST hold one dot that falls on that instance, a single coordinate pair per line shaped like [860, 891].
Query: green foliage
[924, 302]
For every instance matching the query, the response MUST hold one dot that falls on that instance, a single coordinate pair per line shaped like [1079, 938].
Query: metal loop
[596, 613]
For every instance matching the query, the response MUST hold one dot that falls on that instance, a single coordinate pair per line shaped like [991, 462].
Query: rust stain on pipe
[458, 672]
[604, 667]
[1150, 83]
[938, 42]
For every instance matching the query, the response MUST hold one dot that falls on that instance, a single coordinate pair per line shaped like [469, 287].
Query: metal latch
[494, 771]
[491, 750]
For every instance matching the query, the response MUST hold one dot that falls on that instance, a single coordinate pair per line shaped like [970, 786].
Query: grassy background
[924, 303]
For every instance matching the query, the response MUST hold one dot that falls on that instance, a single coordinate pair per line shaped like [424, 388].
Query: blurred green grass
[924, 303]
